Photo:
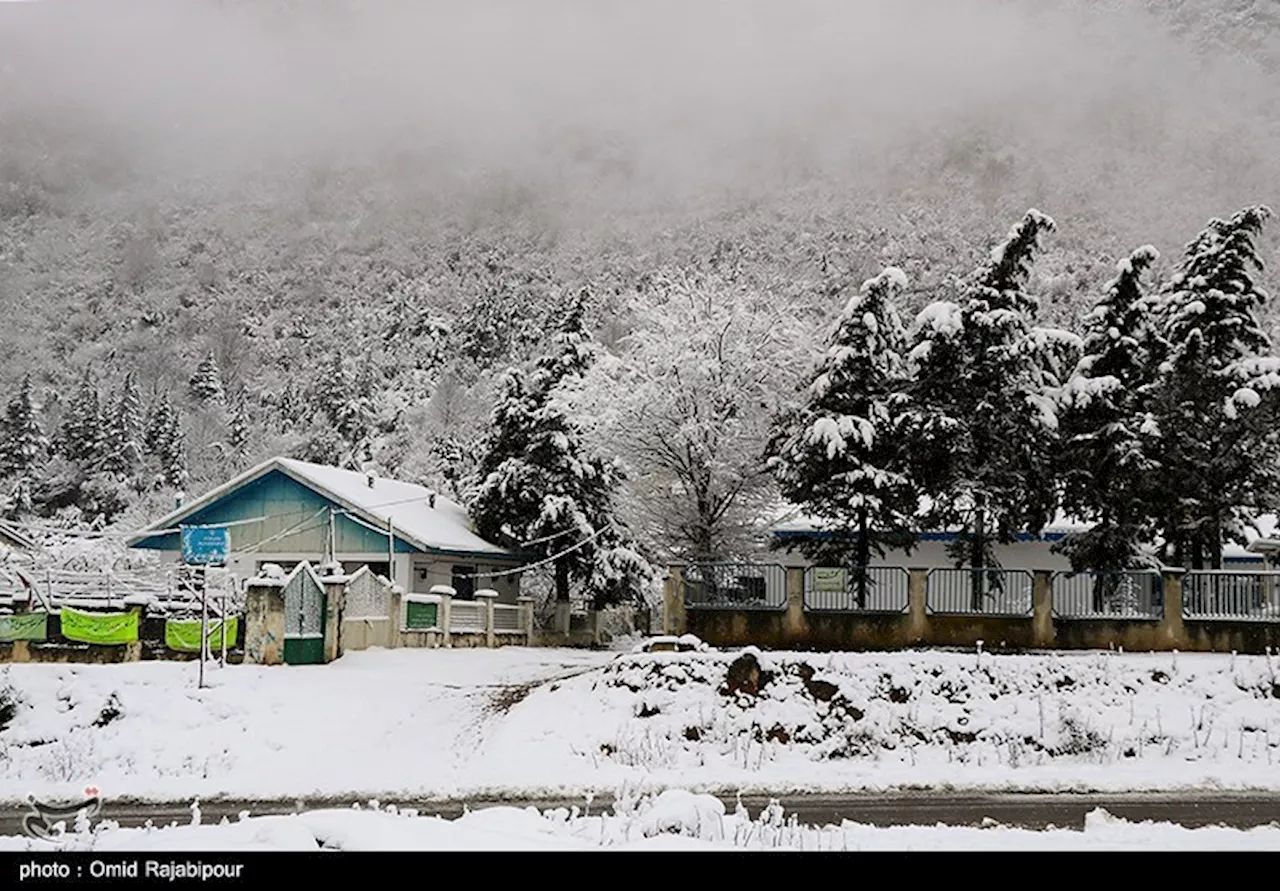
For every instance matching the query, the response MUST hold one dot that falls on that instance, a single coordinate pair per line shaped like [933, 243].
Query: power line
[553, 558]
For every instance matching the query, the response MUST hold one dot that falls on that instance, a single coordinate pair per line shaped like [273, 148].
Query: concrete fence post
[21, 651]
[795, 626]
[487, 596]
[264, 622]
[1171, 629]
[917, 606]
[1042, 630]
[526, 617]
[674, 619]
[395, 610]
[335, 602]
[136, 605]
[445, 614]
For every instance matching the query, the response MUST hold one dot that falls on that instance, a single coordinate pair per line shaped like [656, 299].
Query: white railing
[170, 592]
[466, 617]
[506, 619]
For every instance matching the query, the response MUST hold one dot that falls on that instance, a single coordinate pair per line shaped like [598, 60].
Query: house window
[351, 567]
[463, 581]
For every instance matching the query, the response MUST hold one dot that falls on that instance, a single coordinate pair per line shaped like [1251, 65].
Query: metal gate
[304, 608]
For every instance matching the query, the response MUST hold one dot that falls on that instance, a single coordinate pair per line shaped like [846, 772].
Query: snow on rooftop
[417, 515]
[429, 519]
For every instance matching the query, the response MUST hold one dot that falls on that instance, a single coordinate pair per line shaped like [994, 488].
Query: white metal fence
[466, 617]
[175, 592]
[506, 619]
[1224, 594]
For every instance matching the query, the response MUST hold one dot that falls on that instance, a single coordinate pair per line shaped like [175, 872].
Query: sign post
[223, 660]
[204, 627]
[205, 546]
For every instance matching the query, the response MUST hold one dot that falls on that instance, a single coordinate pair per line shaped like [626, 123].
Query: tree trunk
[864, 557]
[1215, 540]
[562, 580]
[976, 555]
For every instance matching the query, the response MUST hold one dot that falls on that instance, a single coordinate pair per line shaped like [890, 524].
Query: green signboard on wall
[830, 579]
[420, 616]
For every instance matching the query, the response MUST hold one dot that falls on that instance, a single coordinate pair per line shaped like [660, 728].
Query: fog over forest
[615, 107]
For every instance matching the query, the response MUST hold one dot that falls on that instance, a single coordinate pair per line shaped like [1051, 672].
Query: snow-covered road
[672, 820]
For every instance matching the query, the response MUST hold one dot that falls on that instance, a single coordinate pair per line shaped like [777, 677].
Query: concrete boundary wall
[795, 628]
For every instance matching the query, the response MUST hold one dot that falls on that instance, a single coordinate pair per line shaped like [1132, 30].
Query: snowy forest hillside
[216, 246]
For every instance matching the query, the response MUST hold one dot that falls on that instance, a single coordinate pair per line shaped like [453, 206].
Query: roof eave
[186, 510]
[276, 463]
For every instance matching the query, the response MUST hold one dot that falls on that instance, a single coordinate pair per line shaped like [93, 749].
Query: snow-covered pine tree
[206, 384]
[25, 447]
[1106, 455]
[238, 431]
[124, 430]
[339, 403]
[165, 443]
[1215, 405]
[980, 427]
[538, 488]
[81, 438]
[172, 453]
[838, 455]
[455, 459]
[156, 423]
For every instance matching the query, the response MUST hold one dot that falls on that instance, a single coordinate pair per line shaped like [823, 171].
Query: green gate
[304, 614]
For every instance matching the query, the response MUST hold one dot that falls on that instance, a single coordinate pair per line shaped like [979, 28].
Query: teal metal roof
[289, 501]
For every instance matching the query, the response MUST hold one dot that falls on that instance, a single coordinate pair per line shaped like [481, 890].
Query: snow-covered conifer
[81, 438]
[206, 384]
[539, 488]
[838, 454]
[1106, 442]
[981, 425]
[124, 430]
[24, 445]
[1215, 406]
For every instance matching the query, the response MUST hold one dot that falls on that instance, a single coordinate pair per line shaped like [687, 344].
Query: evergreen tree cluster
[1157, 426]
[99, 449]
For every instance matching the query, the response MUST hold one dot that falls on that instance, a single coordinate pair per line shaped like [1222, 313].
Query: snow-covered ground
[558, 723]
[672, 820]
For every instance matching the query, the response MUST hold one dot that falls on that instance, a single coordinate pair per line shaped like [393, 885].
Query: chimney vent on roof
[368, 478]
[431, 500]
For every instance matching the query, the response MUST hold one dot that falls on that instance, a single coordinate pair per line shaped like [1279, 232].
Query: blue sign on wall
[206, 544]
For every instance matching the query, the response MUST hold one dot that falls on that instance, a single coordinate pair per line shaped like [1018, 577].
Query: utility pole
[391, 551]
[223, 660]
[204, 624]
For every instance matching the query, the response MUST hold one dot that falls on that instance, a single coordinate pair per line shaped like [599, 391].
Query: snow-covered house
[285, 511]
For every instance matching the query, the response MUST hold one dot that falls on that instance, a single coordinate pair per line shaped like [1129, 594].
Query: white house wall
[429, 571]
[931, 554]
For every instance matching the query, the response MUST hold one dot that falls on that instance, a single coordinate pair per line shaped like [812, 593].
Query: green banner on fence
[24, 626]
[183, 635]
[99, 628]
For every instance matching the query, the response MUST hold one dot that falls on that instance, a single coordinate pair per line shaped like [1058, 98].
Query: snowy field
[672, 820]
[415, 724]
